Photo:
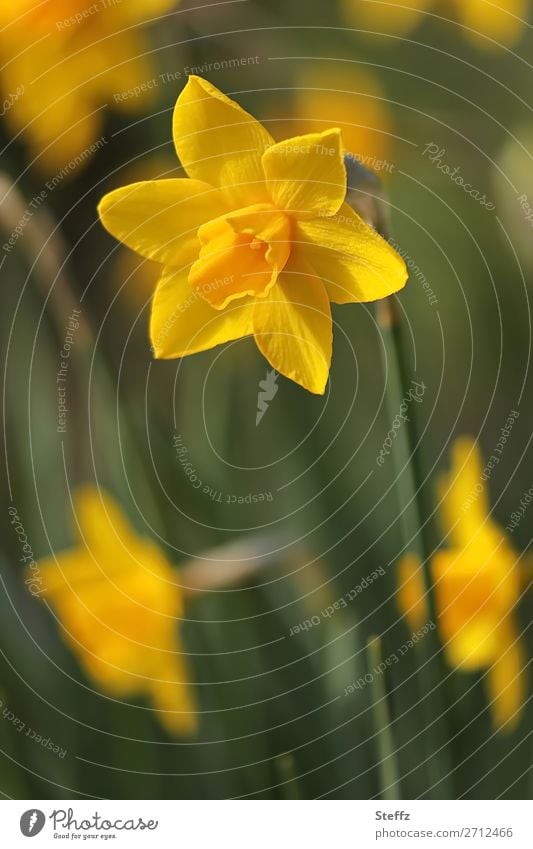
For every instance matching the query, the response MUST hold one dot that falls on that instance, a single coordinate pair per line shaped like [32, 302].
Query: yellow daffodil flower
[477, 585]
[487, 23]
[257, 241]
[117, 599]
[68, 60]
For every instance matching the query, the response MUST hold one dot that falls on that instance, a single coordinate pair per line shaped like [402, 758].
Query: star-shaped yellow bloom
[67, 61]
[118, 601]
[257, 241]
[486, 23]
[477, 585]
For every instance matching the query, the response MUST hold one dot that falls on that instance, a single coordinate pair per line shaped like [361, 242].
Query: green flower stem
[387, 767]
[366, 195]
[404, 456]
[407, 478]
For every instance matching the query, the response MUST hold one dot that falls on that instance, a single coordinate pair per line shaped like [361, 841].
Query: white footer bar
[264, 824]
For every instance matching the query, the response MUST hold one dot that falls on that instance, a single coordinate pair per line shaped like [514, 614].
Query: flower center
[241, 254]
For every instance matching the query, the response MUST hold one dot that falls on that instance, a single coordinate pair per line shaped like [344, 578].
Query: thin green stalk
[367, 197]
[404, 456]
[288, 780]
[387, 766]
[408, 485]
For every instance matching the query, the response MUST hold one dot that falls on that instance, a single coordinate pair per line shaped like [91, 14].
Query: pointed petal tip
[316, 387]
[193, 80]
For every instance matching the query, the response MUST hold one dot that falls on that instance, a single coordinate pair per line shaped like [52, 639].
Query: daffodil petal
[354, 262]
[107, 543]
[159, 218]
[109, 665]
[98, 518]
[293, 327]
[474, 593]
[473, 645]
[306, 174]
[464, 503]
[173, 696]
[349, 98]
[507, 679]
[60, 572]
[217, 141]
[183, 323]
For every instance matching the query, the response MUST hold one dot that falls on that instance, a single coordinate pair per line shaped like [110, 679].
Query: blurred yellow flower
[487, 23]
[118, 601]
[344, 96]
[477, 586]
[70, 59]
[391, 16]
[257, 241]
[410, 594]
